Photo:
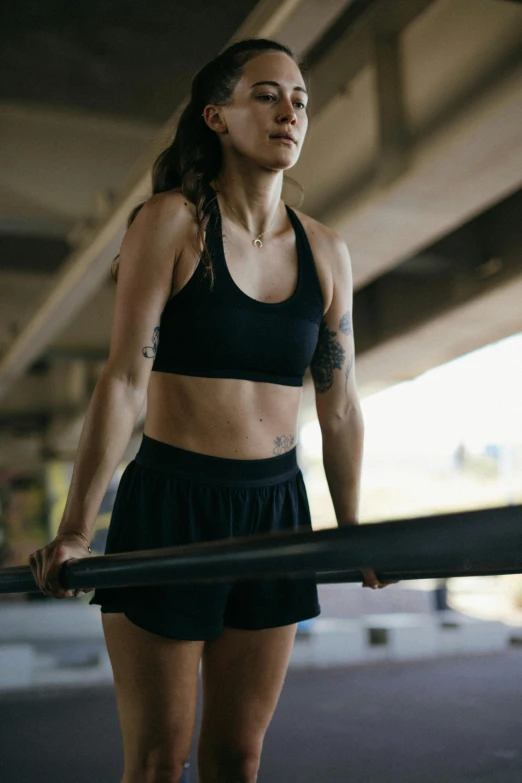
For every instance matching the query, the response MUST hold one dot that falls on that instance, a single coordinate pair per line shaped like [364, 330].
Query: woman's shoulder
[162, 221]
[170, 213]
[321, 233]
[174, 202]
[170, 202]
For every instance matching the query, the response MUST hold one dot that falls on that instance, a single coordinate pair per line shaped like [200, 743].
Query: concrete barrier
[329, 642]
[16, 666]
[399, 636]
[99, 672]
[26, 630]
[460, 633]
[39, 621]
[396, 636]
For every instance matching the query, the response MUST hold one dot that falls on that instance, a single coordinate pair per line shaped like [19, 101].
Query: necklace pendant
[258, 243]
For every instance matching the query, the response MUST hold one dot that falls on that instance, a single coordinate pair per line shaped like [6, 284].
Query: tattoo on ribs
[149, 352]
[329, 356]
[283, 443]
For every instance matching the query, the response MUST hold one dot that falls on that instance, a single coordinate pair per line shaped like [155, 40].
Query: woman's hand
[370, 579]
[46, 563]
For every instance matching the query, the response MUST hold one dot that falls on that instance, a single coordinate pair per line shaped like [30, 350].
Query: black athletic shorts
[168, 496]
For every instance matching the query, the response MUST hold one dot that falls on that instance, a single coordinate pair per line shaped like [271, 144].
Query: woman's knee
[229, 768]
[157, 767]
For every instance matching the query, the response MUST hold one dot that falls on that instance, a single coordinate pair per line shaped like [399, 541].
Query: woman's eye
[269, 95]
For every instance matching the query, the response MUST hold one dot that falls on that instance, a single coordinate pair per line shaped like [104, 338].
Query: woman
[219, 349]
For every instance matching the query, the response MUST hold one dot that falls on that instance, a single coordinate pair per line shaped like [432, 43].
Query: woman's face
[259, 110]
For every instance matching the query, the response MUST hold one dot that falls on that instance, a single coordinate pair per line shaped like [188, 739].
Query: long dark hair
[194, 157]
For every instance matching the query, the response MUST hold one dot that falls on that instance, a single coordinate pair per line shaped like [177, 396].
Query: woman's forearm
[343, 445]
[112, 413]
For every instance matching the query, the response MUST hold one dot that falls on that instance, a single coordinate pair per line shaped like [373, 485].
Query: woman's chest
[268, 274]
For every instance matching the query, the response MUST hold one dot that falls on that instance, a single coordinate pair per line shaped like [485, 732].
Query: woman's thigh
[156, 685]
[243, 673]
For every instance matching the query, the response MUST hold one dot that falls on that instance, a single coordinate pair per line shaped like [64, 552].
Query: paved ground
[454, 720]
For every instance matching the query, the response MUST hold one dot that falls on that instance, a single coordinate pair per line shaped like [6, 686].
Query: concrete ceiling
[413, 154]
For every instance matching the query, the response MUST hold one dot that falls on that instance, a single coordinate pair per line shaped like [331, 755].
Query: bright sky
[476, 399]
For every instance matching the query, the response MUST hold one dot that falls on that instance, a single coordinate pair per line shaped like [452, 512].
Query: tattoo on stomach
[283, 443]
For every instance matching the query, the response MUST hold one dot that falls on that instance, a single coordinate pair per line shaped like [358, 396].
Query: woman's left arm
[337, 401]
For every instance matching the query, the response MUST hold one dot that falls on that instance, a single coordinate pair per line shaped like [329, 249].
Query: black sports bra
[224, 333]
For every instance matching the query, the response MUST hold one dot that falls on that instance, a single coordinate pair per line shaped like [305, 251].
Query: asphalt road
[452, 720]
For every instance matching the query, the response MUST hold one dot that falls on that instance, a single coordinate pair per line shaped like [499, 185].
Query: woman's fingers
[80, 592]
[35, 561]
[371, 580]
[46, 565]
[53, 583]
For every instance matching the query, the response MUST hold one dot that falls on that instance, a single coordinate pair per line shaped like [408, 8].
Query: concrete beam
[267, 19]
[394, 141]
[310, 23]
[480, 321]
[85, 271]
[355, 47]
[465, 166]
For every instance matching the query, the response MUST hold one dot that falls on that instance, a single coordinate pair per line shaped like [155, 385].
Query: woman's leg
[156, 684]
[242, 676]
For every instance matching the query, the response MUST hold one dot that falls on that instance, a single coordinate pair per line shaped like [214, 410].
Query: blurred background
[413, 154]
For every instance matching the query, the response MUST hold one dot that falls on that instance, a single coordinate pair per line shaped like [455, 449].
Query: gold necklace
[257, 241]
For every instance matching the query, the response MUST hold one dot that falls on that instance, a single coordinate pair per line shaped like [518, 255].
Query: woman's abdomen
[224, 417]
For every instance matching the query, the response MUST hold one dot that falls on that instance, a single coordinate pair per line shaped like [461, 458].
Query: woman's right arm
[148, 254]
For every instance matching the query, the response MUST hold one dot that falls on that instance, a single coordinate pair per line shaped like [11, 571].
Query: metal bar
[20, 580]
[464, 543]
[338, 577]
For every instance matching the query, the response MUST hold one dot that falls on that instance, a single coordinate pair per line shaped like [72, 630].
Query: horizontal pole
[469, 543]
[338, 577]
[19, 579]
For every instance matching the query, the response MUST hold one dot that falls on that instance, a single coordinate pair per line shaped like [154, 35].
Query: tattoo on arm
[283, 443]
[329, 356]
[348, 369]
[345, 324]
[149, 352]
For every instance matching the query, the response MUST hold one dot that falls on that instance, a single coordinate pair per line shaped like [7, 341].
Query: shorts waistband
[166, 458]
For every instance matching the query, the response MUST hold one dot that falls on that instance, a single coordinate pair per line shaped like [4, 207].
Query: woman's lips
[283, 138]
